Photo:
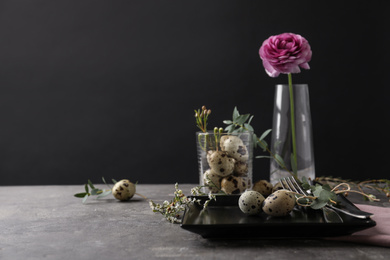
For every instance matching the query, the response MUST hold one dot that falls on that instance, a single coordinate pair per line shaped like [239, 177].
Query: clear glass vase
[225, 161]
[281, 142]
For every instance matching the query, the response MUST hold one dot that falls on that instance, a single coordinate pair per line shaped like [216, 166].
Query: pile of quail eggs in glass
[228, 168]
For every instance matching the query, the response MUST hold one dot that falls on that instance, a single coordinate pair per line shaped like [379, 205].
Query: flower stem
[292, 109]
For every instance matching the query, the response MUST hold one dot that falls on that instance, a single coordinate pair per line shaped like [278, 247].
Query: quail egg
[263, 186]
[240, 168]
[123, 190]
[234, 185]
[212, 181]
[250, 202]
[280, 203]
[234, 146]
[277, 186]
[220, 163]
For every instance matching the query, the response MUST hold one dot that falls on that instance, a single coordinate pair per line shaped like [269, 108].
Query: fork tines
[291, 184]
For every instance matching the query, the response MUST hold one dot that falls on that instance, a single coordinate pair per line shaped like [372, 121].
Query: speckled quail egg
[235, 148]
[240, 168]
[277, 186]
[234, 185]
[263, 186]
[220, 163]
[250, 202]
[123, 190]
[280, 203]
[212, 181]
[223, 139]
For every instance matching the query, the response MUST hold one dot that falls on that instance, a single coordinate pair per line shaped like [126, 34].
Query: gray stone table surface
[47, 222]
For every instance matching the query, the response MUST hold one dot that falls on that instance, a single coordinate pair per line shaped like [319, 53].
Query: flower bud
[209, 111]
[196, 114]
[215, 130]
[203, 108]
[220, 130]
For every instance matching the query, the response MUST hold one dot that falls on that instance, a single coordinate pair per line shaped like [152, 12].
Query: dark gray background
[108, 88]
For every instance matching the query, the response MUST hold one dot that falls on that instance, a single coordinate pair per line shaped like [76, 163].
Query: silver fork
[330, 216]
[350, 212]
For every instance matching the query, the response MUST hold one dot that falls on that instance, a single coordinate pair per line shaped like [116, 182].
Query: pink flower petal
[270, 69]
[305, 66]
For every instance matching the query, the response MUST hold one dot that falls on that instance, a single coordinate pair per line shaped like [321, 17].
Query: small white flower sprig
[172, 210]
[201, 116]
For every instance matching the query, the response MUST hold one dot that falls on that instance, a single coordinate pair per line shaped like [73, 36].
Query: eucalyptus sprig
[100, 193]
[241, 123]
[322, 195]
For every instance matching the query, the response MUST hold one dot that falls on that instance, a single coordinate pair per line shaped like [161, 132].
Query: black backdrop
[108, 88]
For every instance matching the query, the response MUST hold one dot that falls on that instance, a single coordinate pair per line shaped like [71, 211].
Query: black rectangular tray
[224, 219]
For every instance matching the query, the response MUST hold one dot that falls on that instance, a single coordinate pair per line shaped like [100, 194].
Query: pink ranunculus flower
[285, 53]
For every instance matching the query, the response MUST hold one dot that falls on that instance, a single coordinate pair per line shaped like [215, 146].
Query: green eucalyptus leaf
[90, 184]
[328, 195]
[236, 114]
[264, 135]
[255, 144]
[104, 194]
[85, 198]
[242, 118]
[113, 181]
[227, 122]
[250, 119]
[248, 127]
[95, 191]
[277, 143]
[317, 204]
[280, 160]
[263, 144]
[305, 186]
[326, 187]
[80, 195]
[324, 195]
[86, 188]
[305, 201]
[316, 190]
[229, 128]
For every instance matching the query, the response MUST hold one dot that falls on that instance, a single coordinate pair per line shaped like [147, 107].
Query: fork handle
[350, 212]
